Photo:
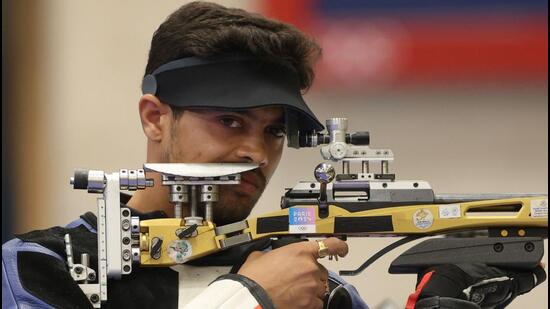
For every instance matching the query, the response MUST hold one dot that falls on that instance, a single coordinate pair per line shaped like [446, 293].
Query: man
[238, 77]
[221, 85]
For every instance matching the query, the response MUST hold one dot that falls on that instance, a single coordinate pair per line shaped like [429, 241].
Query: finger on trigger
[336, 246]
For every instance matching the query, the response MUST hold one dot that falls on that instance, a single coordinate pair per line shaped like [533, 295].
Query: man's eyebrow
[203, 110]
[244, 112]
[281, 120]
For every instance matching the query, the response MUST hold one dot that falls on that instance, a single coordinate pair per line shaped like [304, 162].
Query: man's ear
[155, 117]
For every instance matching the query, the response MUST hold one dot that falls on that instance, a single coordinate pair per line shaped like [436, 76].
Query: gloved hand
[472, 286]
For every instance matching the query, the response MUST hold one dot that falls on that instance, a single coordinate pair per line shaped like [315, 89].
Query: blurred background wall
[458, 90]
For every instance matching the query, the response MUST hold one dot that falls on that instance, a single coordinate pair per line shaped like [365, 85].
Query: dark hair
[209, 30]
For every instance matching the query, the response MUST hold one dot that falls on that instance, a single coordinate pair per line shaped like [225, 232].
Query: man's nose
[253, 150]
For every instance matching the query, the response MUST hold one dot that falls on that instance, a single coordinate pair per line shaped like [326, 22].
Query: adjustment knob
[80, 179]
[338, 150]
[340, 124]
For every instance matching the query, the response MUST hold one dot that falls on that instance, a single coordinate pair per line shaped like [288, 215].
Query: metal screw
[91, 276]
[529, 246]
[126, 240]
[126, 225]
[126, 255]
[498, 247]
[78, 270]
[126, 268]
[94, 298]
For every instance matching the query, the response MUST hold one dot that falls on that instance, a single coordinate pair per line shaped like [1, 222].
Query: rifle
[346, 204]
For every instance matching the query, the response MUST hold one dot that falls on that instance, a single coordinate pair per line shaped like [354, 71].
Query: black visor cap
[235, 83]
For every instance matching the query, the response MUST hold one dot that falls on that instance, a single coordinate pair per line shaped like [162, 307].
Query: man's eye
[277, 131]
[230, 122]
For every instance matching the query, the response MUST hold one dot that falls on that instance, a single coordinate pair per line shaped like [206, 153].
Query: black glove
[472, 286]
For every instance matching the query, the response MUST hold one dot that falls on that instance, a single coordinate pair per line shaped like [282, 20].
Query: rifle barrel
[464, 198]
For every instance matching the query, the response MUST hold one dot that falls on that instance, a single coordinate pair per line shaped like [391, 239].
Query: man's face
[221, 136]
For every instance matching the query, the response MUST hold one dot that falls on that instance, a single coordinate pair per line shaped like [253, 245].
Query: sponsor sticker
[423, 218]
[539, 208]
[180, 250]
[449, 211]
[301, 220]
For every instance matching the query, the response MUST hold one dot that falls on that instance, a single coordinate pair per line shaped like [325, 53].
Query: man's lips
[250, 182]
